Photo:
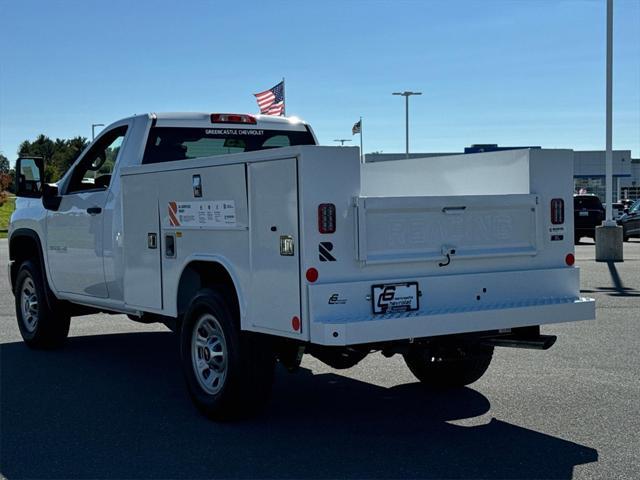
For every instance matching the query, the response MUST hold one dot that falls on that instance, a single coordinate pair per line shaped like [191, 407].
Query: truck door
[75, 229]
[275, 271]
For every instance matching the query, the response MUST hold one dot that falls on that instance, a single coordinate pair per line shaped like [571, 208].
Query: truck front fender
[25, 244]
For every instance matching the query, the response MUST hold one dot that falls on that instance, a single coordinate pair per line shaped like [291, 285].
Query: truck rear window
[166, 144]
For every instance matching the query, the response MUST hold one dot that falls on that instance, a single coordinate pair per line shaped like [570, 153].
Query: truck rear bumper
[449, 305]
[404, 326]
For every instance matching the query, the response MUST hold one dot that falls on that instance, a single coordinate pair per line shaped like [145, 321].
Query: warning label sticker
[219, 213]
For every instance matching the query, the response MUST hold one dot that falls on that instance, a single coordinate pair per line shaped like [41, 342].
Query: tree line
[58, 154]
[6, 177]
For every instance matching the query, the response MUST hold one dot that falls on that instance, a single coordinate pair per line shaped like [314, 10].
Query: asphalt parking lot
[112, 404]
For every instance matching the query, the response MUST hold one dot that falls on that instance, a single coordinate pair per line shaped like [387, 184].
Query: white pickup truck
[257, 246]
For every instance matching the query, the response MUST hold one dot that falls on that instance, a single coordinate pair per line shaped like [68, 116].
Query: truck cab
[82, 214]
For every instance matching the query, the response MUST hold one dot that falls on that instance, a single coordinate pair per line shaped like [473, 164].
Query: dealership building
[588, 168]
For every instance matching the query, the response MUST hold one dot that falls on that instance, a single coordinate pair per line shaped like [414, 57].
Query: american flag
[271, 102]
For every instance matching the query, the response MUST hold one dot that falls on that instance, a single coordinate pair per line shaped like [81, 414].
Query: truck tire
[39, 324]
[228, 372]
[449, 367]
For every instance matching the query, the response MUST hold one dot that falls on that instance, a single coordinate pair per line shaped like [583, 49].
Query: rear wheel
[40, 325]
[449, 366]
[228, 372]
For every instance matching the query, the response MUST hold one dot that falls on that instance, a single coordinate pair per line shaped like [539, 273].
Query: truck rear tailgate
[410, 229]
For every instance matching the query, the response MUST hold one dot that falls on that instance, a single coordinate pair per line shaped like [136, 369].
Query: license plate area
[584, 214]
[395, 297]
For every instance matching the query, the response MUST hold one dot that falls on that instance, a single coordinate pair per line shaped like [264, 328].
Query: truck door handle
[94, 210]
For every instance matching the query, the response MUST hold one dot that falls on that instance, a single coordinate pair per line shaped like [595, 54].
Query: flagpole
[284, 100]
[361, 150]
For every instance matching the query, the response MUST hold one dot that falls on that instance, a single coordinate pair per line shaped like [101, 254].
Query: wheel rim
[29, 305]
[209, 354]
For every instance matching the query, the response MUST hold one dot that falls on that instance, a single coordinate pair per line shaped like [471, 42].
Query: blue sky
[508, 72]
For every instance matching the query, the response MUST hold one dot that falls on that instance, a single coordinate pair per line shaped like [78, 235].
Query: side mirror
[50, 198]
[29, 177]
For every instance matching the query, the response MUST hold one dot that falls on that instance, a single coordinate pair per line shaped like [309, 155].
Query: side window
[95, 169]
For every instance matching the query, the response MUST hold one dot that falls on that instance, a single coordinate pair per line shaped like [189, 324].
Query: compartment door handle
[454, 210]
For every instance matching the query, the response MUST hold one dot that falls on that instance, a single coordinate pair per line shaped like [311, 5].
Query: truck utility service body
[307, 246]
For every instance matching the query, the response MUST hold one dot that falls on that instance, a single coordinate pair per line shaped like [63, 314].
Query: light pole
[342, 140]
[93, 130]
[609, 222]
[609, 236]
[406, 96]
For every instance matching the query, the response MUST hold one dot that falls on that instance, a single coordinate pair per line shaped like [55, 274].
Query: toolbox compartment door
[275, 277]
[410, 229]
[142, 244]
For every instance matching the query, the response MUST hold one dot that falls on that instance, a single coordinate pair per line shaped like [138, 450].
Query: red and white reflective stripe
[173, 214]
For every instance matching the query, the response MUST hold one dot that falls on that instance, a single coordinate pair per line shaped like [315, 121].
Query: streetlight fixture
[406, 96]
[342, 140]
[93, 129]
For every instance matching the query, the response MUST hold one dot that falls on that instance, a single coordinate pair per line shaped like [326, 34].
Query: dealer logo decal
[324, 248]
[335, 299]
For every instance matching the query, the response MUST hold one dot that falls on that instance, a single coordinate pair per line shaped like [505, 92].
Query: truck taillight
[233, 118]
[326, 218]
[557, 211]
